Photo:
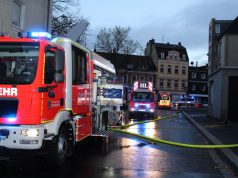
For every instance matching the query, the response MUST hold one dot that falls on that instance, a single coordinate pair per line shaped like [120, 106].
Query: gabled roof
[130, 62]
[166, 47]
[170, 46]
[200, 68]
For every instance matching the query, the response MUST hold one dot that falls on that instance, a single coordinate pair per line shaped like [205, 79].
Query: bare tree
[132, 47]
[62, 24]
[117, 40]
[65, 16]
[104, 40]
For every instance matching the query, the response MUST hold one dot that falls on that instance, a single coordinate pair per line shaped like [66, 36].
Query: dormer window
[143, 67]
[129, 66]
[184, 57]
[162, 55]
[174, 55]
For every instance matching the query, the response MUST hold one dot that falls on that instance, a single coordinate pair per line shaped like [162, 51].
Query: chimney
[152, 41]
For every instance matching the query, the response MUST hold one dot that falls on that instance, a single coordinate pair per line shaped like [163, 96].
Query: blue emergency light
[45, 35]
[40, 35]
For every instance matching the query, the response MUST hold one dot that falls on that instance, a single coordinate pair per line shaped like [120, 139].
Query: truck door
[81, 91]
[53, 98]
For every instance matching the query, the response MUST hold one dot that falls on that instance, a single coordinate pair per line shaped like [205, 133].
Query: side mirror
[59, 66]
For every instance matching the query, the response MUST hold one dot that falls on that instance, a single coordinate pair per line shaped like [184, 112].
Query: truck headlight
[30, 132]
[148, 106]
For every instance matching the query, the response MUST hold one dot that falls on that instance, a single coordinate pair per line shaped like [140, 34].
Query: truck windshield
[18, 62]
[142, 97]
[164, 97]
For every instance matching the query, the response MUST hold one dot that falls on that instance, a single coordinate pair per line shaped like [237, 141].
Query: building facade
[171, 61]
[132, 67]
[223, 69]
[25, 15]
[197, 83]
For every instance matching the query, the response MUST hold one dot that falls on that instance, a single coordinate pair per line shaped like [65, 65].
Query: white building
[223, 69]
[25, 15]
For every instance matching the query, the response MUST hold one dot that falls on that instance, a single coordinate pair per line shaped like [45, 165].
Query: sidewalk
[216, 131]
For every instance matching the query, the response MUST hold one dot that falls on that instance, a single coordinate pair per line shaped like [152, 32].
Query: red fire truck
[142, 100]
[45, 94]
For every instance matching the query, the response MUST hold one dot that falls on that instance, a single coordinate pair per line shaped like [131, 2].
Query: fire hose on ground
[159, 141]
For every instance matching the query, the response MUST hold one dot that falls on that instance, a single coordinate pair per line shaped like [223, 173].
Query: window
[217, 28]
[168, 83]
[183, 84]
[203, 88]
[161, 83]
[162, 55]
[169, 69]
[142, 78]
[18, 62]
[129, 66]
[193, 87]
[150, 78]
[143, 67]
[49, 67]
[79, 65]
[183, 70]
[203, 76]
[17, 10]
[176, 70]
[176, 84]
[184, 57]
[194, 75]
[162, 68]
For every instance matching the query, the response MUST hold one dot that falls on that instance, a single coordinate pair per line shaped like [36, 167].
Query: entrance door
[232, 98]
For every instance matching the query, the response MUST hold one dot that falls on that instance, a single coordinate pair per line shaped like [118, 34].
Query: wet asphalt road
[127, 156]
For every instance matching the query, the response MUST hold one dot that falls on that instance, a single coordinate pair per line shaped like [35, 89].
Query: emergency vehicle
[107, 94]
[142, 100]
[46, 91]
[164, 100]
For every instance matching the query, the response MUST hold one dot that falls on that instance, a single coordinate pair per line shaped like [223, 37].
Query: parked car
[187, 102]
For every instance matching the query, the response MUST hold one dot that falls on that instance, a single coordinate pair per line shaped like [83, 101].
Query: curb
[231, 156]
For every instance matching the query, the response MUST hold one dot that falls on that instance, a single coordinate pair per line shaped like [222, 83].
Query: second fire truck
[142, 100]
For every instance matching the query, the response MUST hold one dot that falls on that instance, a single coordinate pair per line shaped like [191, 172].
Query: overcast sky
[172, 21]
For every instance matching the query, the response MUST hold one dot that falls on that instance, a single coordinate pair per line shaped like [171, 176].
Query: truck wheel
[59, 148]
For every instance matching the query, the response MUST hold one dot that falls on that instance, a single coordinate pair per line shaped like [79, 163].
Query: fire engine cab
[142, 100]
[45, 94]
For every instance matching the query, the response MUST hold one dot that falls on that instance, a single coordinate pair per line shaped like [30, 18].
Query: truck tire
[59, 149]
